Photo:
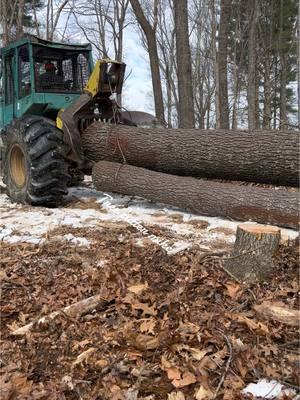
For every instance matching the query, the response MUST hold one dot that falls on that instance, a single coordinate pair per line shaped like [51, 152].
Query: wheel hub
[17, 165]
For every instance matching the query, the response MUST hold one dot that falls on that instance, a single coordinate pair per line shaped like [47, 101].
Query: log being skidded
[267, 205]
[256, 156]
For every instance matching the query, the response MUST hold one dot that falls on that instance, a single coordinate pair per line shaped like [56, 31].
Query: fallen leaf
[251, 324]
[173, 373]
[176, 396]
[233, 290]
[101, 363]
[83, 356]
[148, 326]
[187, 379]
[146, 342]
[147, 310]
[203, 394]
[165, 363]
[195, 353]
[139, 288]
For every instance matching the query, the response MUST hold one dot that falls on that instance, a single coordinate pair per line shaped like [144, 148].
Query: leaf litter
[168, 329]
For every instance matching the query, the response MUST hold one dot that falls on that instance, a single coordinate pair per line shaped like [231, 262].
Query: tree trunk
[222, 63]
[215, 60]
[283, 97]
[184, 65]
[267, 94]
[150, 34]
[251, 259]
[212, 198]
[252, 70]
[256, 156]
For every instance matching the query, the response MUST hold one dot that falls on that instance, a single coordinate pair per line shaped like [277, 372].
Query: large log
[255, 156]
[278, 206]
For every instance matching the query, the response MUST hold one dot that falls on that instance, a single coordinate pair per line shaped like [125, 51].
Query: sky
[137, 90]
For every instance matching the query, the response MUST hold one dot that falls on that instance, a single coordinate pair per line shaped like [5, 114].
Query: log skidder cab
[49, 93]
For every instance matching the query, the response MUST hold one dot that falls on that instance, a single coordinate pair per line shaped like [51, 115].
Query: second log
[267, 205]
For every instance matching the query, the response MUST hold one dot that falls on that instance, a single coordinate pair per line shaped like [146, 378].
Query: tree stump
[252, 256]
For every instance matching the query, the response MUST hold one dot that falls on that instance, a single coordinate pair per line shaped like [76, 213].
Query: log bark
[254, 247]
[74, 311]
[256, 156]
[279, 313]
[229, 200]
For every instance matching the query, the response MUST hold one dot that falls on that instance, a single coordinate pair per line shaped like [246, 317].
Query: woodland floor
[173, 327]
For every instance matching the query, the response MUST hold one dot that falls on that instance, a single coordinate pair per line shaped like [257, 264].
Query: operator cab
[57, 70]
[40, 77]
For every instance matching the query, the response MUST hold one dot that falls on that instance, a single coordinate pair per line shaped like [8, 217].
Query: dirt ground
[169, 326]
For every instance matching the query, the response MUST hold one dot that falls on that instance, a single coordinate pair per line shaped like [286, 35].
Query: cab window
[24, 72]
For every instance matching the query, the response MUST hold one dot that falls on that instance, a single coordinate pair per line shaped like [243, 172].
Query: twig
[227, 364]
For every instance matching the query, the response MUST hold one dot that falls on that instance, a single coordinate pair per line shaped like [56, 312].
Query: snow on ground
[265, 389]
[86, 207]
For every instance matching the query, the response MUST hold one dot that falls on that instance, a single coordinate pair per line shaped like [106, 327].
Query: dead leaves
[160, 338]
[138, 288]
[254, 326]
[203, 394]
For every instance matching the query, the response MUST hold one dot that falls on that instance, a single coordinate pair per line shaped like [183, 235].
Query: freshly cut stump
[256, 156]
[216, 199]
[255, 245]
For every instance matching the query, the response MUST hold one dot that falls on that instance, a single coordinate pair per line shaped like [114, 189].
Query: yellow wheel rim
[17, 165]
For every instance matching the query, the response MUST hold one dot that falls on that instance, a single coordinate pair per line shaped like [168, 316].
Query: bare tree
[149, 31]
[12, 28]
[167, 59]
[53, 14]
[184, 65]
[222, 63]
[252, 65]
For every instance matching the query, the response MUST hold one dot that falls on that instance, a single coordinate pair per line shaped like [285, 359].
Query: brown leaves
[257, 327]
[185, 379]
[160, 336]
[203, 394]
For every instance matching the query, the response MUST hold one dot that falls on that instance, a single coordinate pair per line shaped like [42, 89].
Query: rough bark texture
[184, 65]
[251, 259]
[229, 200]
[257, 156]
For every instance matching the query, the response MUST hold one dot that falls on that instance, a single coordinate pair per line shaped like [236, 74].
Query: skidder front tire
[35, 170]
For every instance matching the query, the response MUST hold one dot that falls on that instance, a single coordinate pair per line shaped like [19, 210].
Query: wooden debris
[74, 311]
[278, 313]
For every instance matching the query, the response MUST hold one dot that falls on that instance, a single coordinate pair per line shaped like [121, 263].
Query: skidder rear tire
[35, 170]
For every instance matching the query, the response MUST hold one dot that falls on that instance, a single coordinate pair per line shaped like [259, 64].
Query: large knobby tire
[35, 170]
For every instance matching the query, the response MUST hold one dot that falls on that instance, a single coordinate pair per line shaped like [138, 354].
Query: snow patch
[23, 223]
[79, 241]
[268, 389]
